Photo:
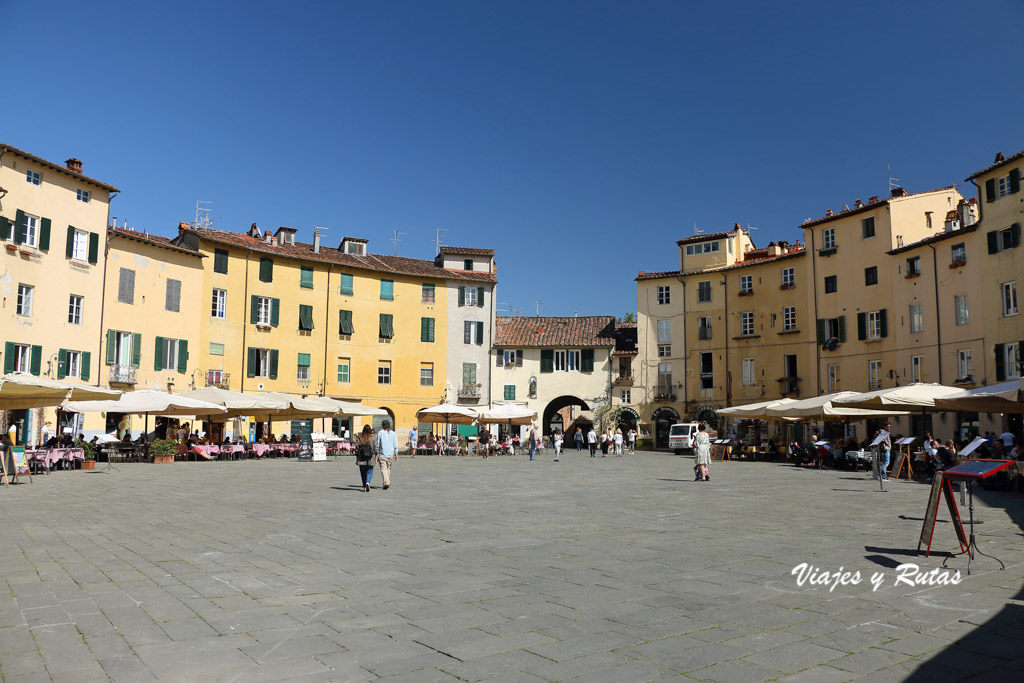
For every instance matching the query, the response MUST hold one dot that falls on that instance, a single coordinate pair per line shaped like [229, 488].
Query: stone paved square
[500, 569]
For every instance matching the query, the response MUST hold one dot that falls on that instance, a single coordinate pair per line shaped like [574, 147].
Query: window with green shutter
[426, 329]
[306, 277]
[510, 392]
[86, 363]
[346, 284]
[5, 228]
[344, 322]
[587, 360]
[220, 261]
[387, 289]
[158, 355]
[387, 328]
[547, 360]
[37, 360]
[183, 355]
[94, 248]
[305, 318]
[266, 269]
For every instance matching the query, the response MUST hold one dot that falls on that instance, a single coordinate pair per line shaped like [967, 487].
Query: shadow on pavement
[991, 650]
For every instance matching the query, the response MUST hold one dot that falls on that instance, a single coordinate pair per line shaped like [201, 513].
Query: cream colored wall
[645, 364]
[53, 275]
[908, 215]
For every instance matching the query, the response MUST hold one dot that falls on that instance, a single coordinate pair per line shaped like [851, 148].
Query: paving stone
[793, 658]
[735, 671]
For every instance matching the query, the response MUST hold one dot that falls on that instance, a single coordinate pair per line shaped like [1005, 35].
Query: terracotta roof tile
[58, 167]
[585, 331]
[704, 238]
[869, 207]
[399, 265]
[468, 251]
[657, 276]
[932, 239]
[155, 240]
[1004, 162]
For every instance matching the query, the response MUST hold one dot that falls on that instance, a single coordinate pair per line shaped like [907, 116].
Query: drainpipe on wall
[725, 293]
[809, 248]
[245, 326]
[686, 349]
[327, 324]
[101, 361]
[490, 370]
[938, 320]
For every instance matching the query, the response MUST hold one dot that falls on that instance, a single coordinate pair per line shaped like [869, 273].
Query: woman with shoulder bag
[366, 456]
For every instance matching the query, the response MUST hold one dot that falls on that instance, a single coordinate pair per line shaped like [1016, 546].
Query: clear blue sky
[578, 139]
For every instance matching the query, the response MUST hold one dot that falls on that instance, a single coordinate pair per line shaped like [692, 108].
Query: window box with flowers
[957, 264]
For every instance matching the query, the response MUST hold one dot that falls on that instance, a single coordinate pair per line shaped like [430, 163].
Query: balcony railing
[215, 378]
[469, 391]
[626, 378]
[122, 374]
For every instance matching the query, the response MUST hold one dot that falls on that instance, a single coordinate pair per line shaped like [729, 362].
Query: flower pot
[161, 459]
[88, 464]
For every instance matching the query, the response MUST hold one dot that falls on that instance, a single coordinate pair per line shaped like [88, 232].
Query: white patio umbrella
[508, 414]
[147, 402]
[824, 407]
[449, 413]
[298, 408]
[1005, 397]
[753, 409]
[19, 391]
[910, 396]
[349, 408]
[237, 404]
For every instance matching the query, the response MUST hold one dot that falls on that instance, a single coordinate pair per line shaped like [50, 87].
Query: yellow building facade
[53, 226]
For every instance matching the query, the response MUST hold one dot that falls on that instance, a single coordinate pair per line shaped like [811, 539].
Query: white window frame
[26, 293]
[958, 253]
[625, 396]
[427, 375]
[746, 284]
[82, 195]
[301, 373]
[559, 359]
[262, 368]
[704, 323]
[833, 377]
[383, 373]
[916, 368]
[664, 295]
[749, 377]
[916, 318]
[80, 245]
[22, 357]
[747, 324]
[170, 353]
[219, 303]
[963, 314]
[664, 350]
[874, 325]
[263, 305]
[788, 277]
[702, 287]
[664, 331]
[123, 349]
[874, 375]
[1011, 360]
[1009, 299]
[665, 378]
[789, 318]
[828, 238]
[470, 296]
[345, 370]
[75, 305]
[963, 364]
[914, 265]
[426, 298]
[33, 177]
[508, 357]
[1003, 186]
[31, 231]
[73, 364]
[572, 358]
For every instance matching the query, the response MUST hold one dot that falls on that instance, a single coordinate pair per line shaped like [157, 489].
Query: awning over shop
[665, 413]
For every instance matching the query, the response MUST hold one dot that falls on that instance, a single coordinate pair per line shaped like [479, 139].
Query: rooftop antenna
[437, 239]
[892, 181]
[538, 305]
[396, 240]
[696, 230]
[203, 219]
[501, 307]
[751, 227]
[515, 310]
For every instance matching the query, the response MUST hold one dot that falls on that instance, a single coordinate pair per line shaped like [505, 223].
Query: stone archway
[561, 412]
[662, 419]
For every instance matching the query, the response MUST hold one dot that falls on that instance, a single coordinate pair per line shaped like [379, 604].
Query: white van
[682, 436]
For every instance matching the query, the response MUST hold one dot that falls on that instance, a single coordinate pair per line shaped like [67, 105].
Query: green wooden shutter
[86, 362]
[547, 360]
[822, 331]
[158, 357]
[69, 248]
[587, 360]
[842, 328]
[266, 270]
[1015, 235]
[62, 363]
[250, 367]
[862, 326]
[5, 228]
[111, 342]
[136, 349]
[19, 226]
[462, 296]
[344, 322]
[499, 358]
[273, 363]
[467, 334]
[387, 330]
[519, 358]
[993, 241]
[1000, 363]
[424, 329]
[94, 248]
[510, 392]
[346, 284]
[275, 311]
[990, 190]
[306, 277]
[480, 297]
[182, 355]
[883, 326]
[305, 318]
[44, 234]
[9, 357]
[37, 360]
[479, 333]
[220, 260]
[254, 310]
[1014, 180]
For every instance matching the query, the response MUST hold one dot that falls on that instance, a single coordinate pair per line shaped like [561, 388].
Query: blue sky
[579, 140]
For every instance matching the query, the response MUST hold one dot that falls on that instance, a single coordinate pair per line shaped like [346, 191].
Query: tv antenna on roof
[203, 218]
[396, 240]
[892, 181]
[751, 227]
[538, 305]
[696, 230]
[437, 238]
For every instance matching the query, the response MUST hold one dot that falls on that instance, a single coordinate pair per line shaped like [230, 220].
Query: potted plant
[89, 462]
[163, 450]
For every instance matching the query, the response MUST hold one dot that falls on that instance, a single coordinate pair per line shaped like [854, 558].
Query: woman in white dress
[702, 445]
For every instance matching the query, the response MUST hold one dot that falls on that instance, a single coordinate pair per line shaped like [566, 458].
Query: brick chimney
[828, 212]
[857, 203]
[74, 165]
[872, 200]
[899, 192]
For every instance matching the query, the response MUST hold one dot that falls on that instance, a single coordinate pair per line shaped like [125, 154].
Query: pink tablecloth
[206, 451]
[260, 449]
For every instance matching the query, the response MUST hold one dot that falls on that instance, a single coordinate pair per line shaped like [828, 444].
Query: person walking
[886, 445]
[533, 440]
[387, 451]
[413, 438]
[618, 442]
[366, 456]
[632, 441]
[483, 439]
[592, 441]
[702, 446]
[578, 438]
[605, 443]
[557, 436]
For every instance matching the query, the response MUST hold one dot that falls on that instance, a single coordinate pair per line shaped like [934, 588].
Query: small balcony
[122, 374]
[469, 391]
[625, 379]
[789, 385]
[216, 378]
[664, 394]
